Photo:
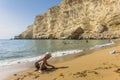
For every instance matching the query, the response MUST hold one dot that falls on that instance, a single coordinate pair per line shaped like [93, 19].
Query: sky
[16, 15]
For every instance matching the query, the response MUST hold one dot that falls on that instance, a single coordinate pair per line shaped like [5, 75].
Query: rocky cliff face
[77, 19]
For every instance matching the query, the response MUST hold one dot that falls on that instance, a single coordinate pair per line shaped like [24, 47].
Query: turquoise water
[21, 49]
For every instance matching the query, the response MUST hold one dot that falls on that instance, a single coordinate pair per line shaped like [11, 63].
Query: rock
[76, 19]
[71, 33]
[27, 34]
[99, 28]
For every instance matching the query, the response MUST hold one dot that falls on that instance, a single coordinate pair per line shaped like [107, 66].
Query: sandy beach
[97, 64]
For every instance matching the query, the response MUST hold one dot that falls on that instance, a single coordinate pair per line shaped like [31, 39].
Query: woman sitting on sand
[42, 64]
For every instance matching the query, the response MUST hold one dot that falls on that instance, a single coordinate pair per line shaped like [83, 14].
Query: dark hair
[37, 66]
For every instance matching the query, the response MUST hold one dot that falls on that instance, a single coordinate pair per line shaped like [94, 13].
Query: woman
[42, 64]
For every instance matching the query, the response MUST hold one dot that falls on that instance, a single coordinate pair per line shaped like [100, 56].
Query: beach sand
[97, 64]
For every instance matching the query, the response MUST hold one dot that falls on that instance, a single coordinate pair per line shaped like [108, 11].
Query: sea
[23, 51]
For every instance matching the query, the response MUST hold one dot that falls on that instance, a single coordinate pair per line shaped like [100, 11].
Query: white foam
[33, 59]
[63, 53]
[54, 54]
[102, 45]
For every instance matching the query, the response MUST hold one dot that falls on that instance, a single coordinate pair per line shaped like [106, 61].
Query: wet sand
[11, 69]
[97, 64]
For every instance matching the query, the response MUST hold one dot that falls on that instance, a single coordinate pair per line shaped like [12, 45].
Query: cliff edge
[77, 19]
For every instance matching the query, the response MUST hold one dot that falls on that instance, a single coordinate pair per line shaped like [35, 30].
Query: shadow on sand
[56, 68]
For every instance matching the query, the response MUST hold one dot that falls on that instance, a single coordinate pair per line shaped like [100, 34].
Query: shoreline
[69, 58]
[8, 70]
[54, 55]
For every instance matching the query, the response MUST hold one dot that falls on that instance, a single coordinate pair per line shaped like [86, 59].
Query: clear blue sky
[16, 15]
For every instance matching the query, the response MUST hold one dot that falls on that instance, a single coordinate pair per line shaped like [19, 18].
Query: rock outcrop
[77, 19]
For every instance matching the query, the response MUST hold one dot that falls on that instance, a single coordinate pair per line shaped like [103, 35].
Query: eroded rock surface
[77, 19]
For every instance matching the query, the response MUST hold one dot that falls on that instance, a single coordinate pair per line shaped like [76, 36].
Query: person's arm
[41, 59]
[49, 65]
[41, 65]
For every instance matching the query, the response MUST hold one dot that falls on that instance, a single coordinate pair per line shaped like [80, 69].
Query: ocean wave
[102, 45]
[54, 54]
[33, 59]
[63, 53]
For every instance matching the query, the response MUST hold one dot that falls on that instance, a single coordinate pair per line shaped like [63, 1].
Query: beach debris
[112, 51]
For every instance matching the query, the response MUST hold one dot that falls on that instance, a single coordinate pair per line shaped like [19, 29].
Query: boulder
[72, 33]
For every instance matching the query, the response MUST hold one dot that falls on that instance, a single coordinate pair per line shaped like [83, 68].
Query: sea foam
[54, 54]
[33, 59]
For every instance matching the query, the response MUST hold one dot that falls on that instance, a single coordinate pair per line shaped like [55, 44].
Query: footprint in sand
[85, 73]
[80, 74]
[19, 78]
[55, 79]
[36, 76]
[107, 67]
[93, 72]
[118, 70]
[115, 65]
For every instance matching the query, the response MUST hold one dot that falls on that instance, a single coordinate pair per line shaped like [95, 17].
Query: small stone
[15, 74]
